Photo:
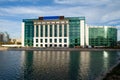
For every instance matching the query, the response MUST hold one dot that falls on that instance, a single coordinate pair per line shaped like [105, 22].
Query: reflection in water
[106, 59]
[55, 65]
[74, 65]
[84, 66]
[28, 65]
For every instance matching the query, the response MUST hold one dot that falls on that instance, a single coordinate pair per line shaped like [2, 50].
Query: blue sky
[97, 12]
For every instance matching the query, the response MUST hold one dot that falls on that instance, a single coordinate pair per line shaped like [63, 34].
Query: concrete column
[82, 32]
[62, 30]
[34, 30]
[48, 30]
[58, 30]
[23, 33]
[53, 30]
[43, 30]
[38, 30]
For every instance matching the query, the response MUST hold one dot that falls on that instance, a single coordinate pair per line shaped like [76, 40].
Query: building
[60, 31]
[53, 31]
[102, 36]
[4, 37]
[1, 37]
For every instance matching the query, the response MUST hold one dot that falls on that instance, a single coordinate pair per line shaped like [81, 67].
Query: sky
[97, 12]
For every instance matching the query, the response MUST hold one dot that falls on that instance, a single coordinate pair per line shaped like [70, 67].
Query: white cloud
[94, 14]
[16, 0]
[81, 1]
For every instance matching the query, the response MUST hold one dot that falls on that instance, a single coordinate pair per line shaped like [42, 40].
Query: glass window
[46, 31]
[55, 31]
[36, 30]
[55, 45]
[60, 45]
[65, 40]
[41, 31]
[41, 45]
[55, 40]
[45, 40]
[50, 40]
[60, 40]
[36, 40]
[41, 40]
[45, 45]
[50, 30]
[65, 45]
[36, 45]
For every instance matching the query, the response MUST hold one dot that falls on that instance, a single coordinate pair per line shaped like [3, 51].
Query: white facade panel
[82, 32]
[87, 35]
[23, 32]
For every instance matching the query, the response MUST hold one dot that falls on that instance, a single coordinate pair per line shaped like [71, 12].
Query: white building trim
[82, 33]
[23, 32]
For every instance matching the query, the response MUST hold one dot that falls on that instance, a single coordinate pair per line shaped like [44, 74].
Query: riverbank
[57, 49]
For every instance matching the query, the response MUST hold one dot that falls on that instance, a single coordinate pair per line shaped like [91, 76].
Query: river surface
[55, 65]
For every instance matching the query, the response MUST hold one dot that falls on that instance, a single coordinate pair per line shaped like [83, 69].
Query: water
[55, 65]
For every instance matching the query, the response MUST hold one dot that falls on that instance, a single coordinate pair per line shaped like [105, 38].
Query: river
[55, 65]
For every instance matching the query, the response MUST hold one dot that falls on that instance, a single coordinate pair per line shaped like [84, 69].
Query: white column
[87, 35]
[43, 30]
[38, 30]
[62, 30]
[82, 33]
[48, 30]
[53, 30]
[34, 30]
[23, 33]
[48, 38]
[67, 35]
[58, 30]
[34, 39]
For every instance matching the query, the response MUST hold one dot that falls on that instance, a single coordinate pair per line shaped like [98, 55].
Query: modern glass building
[102, 36]
[60, 31]
[53, 31]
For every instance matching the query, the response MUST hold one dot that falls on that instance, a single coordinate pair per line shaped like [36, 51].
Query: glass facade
[102, 36]
[28, 32]
[74, 31]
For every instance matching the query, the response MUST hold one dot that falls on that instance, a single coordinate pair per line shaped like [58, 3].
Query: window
[50, 40]
[65, 40]
[45, 45]
[36, 45]
[55, 45]
[41, 45]
[50, 45]
[46, 40]
[55, 40]
[60, 45]
[36, 40]
[65, 45]
[41, 40]
[60, 40]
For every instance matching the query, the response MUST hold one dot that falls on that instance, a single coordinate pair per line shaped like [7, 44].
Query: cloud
[103, 12]
[81, 1]
[16, 0]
